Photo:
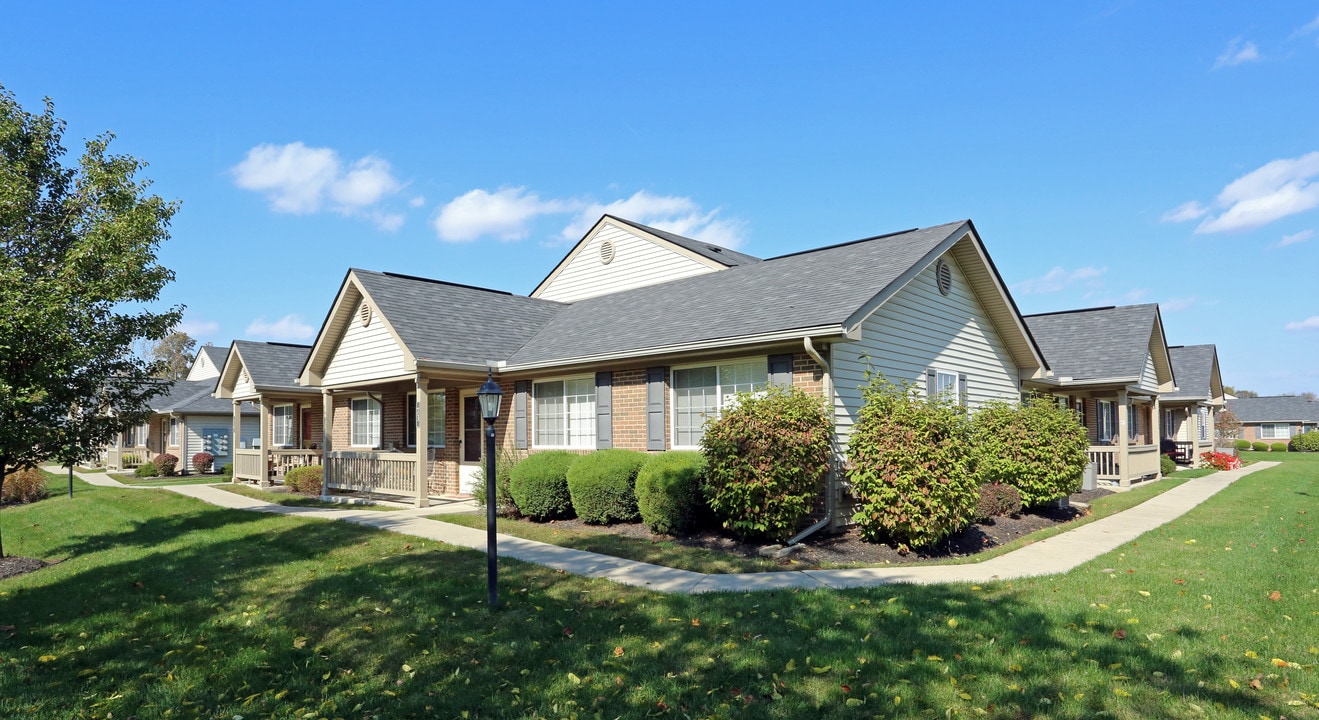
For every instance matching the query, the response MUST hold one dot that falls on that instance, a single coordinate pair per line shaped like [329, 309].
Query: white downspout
[831, 478]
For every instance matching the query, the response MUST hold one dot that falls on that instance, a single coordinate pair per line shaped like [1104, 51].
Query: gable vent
[943, 277]
[364, 314]
[606, 252]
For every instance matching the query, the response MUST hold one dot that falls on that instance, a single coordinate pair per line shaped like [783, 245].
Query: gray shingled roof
[216, 355]
[817, 288]
[1278, 408]
[193, 397]
[273, 365]
[721, 255]
[446, 322]
[1097, 343]
[1194, 367]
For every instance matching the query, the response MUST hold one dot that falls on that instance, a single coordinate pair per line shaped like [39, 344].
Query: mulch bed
[848, 548]
[11, 566]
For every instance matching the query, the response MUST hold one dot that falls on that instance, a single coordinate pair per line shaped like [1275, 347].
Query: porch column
[233, 439]
[423, 441]
[265, 444]
[327, 430]
[1156, 428]
[1123, 444]
[1193, 418]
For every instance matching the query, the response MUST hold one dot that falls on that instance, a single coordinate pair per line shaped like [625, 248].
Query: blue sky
[1108, 152]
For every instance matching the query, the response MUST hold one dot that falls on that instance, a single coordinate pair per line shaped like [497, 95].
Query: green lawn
[295, 500]
[164, 607]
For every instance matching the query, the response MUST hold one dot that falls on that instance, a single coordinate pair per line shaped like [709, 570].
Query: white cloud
[1192, 210]
[1310, 323]
[1178, 304]
[1308, 28]
[505, 214]
[302, 180]
[508, 213]
[1273, 191]
[289, 328]
[417, 201]
[198, 328]
[1057, 279]
[1237, 52]
[1295, 238]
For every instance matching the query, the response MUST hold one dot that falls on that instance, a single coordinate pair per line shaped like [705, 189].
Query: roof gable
[267, 365]
[206, 365]
[1196, 369]
[1108, 343]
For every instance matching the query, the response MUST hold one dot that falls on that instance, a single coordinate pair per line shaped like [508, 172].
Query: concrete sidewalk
[1057, 554]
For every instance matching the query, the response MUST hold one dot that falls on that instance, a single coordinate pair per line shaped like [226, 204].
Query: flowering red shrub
[1220, 461]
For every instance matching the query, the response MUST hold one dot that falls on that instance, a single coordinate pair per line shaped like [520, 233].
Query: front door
[470, 459]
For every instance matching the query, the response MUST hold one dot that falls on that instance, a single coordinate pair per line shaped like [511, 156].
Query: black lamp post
[489, 397]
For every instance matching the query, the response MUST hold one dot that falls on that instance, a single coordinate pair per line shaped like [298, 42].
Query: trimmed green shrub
[505, 460]
[227, 470]
[1278, 447]
[768, 456]
[1037, 447]
[145, 470]
[202, 462]
[1259, 446]
[1242, 444]
[669, 491]
[602, 484]
[305, 480]
[1306, 442]
[1166, 465]
[24, 486]
[997, 500]
[166, 463]
[910, 467]
[539, 484]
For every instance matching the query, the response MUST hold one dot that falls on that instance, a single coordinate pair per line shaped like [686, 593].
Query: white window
[434, 419]
[173, 432]
[565, 413]
[1204, 423]
[1275, 431]
[700, 393]
[946, 386]
[281, 422]
[1107, 421]
[1169, 425]
[364, 419]
[1131, 422]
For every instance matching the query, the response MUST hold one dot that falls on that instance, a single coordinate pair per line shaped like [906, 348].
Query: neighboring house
[1190, 411]
[265, 374]
[1274, 419]
[1110, 365]
[639, 336]
[185, 421]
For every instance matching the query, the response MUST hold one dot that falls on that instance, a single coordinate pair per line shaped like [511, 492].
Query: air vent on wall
[364, 314]
[943, 276]
[606, 252]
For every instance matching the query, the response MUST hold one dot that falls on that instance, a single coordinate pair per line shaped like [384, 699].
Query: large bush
[997, 501]
[505, 460]
[24, 486]
[1278, 447]
[1306, 442]
[166, 463]
[1037, 447]
[602, 484]
[669, 491]
[539, 484]
[305, 480]
[145, 470]
[768, 458]
[202, 461]
[909, 464]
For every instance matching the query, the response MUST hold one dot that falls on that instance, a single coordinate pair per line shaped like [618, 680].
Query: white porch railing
[1104, 458]
[370, 472]
[112, 458]
[249, 465]
[283, 461]
[1143, 460]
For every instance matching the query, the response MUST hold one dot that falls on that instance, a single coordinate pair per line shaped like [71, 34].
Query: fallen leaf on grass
[1275, 596]
[299, 642]
[1256, 684]
[1120, 634]
[618, 651]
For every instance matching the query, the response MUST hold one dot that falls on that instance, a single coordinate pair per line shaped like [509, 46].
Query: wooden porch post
[233, 439]
[423, 442]
[265, 443]
[1193, 416]
[1156, 429]
[1124, 445]
[327, 431]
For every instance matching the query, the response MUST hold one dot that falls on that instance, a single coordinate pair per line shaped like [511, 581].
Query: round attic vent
[606, 252]
[943, 277]
[364, 314]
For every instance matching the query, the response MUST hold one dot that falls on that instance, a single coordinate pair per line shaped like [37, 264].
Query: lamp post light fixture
[489, 397]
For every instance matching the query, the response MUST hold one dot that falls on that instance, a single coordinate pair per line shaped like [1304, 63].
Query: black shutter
[780, 370]
[931, 383]
[655, 408]
[520, 389]
[604, 410]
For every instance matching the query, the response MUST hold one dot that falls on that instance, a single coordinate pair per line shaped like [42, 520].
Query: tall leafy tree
[78, 279]
[174, 354]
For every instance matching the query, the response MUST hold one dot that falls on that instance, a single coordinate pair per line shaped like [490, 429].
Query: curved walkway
[1057, 554]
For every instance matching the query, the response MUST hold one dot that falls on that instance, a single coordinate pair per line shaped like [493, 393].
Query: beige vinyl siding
[920, 328]
[364, 353]
[244, 386]
[1149, 378]
[202, 368]
[637, 262]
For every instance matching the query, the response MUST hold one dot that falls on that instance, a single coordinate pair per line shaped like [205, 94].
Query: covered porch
[1124, 438]
[1188, 427]
[289, 437]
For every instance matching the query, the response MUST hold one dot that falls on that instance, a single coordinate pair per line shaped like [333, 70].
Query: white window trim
[1132, 418]
[380, 428]
[956, 394]
[412, 408]
[292, 426]
[173, 439]
[1100, 414]
[719, 393]
[1273, 428]
[531, 414]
